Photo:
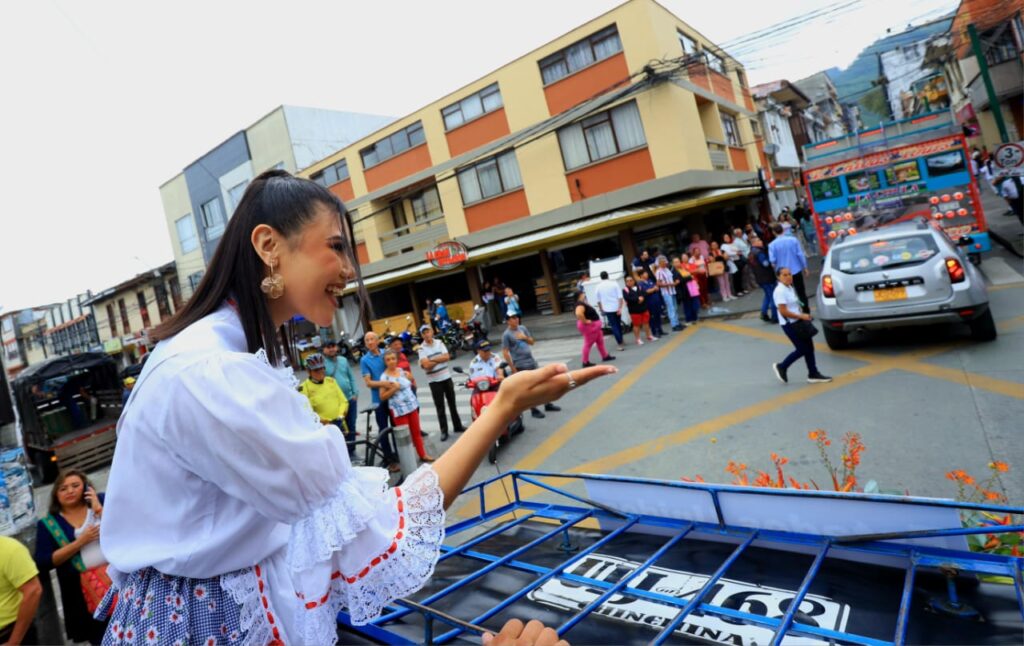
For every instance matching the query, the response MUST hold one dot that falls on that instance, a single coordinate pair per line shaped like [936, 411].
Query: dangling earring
[273, 285]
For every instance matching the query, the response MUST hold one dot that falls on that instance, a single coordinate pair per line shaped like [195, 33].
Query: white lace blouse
[221, 469]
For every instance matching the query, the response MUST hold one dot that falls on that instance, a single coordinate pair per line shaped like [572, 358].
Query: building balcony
[1006, 81]
[418, 235]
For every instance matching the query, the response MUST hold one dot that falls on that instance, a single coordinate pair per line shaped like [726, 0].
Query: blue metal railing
[565, 517]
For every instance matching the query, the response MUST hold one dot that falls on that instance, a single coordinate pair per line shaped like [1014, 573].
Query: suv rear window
[884, 254]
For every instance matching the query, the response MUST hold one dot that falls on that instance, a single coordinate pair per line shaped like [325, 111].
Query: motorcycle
[485, 389]
[451, 336]
[347, 348]
[410, 342]
[473, 330]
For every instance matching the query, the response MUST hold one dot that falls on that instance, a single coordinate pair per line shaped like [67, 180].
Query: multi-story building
[824, 117]
[13, 353]
[199, 200]
[127, 311]
[632, 130]
[911, 86]
[71, 327]
[1000, 31]
[780, 105]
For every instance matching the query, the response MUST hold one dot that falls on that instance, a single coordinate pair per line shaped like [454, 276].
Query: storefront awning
[566, 232]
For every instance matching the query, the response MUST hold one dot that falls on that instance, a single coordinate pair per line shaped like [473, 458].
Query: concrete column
[416, 306]
[473, 279]
[628, 246]
[549, 278]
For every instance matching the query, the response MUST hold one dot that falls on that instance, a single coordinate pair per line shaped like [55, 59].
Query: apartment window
[426, 205]
[124, 315]
[473, 106]
[162, 306]
[235, 195]
[111, 320]
[715, 61]
[732, 136]
[143, 309]
[398, 217]
[601, 135]
[489, 177]
[331, 175]
[213, 218]
[741, 77]
[575, 57]
[392, 145]
[175, 293]
[187, 237]
[688, 44]
[1000, 45]
[195, 279]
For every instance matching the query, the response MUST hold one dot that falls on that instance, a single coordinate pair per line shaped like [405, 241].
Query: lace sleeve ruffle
[403, 564]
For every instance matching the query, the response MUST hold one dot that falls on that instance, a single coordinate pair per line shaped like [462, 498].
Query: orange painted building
[569, 152]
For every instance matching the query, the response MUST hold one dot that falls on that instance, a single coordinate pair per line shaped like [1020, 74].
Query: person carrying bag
[798, 327]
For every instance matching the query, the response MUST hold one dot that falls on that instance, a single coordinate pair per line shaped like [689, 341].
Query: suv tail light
[955, 270]
[826, 286]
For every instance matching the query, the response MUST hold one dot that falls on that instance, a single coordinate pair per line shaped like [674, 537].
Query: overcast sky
[103, 101]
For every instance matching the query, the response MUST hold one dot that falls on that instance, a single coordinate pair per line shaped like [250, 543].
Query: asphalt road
[925, 401]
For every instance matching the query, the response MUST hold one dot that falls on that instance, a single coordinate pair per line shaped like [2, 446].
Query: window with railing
[688, 44]
[602, 135]
[143, 308]
[473, 106]
[392, 145]
[162, 305]
[124, 315]
[581, 54]
[715, 61]
[490, 177]
[425, 204]
[732, 136]
[1000, 45]
[110, 319]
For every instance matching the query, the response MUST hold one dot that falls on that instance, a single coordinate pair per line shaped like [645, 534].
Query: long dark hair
[275, 198]
[64, 475]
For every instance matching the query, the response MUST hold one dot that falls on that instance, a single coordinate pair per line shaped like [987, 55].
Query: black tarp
[60, 366]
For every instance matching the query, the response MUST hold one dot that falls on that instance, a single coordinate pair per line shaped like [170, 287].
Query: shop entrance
[522, 275]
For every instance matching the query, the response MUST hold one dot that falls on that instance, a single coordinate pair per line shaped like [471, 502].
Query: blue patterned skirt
[154, 608]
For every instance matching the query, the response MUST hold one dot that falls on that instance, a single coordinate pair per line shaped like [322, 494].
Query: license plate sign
[890, 294]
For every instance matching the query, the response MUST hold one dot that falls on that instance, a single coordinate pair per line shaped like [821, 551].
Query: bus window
[945, 163]
[858, 183]
[903, 172]
[826, 188]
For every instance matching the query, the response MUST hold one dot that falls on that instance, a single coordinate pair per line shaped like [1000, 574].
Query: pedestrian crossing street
[545, 352]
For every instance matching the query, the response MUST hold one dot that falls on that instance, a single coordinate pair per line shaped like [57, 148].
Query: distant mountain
[854, 84]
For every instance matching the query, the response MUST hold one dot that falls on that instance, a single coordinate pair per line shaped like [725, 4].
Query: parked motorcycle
[473, 330]
[347, 348]
[410, 341]
[451, 336]
[485, 389]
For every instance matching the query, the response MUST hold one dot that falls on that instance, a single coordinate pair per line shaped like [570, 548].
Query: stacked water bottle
[17, 506]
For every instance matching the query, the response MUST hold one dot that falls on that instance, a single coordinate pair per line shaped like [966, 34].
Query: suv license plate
[890, 294]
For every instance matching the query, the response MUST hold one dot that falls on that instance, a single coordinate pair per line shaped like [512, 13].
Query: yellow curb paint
[972, 379]
[998, 288]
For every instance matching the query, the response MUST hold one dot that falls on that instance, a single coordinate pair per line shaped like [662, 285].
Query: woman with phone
[232, 514]
[67, 539]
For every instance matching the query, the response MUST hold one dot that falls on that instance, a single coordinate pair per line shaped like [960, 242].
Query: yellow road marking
[495, 496]
[972, 379]
[1010, 286]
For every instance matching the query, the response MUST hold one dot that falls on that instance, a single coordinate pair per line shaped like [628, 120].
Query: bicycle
[372, 449]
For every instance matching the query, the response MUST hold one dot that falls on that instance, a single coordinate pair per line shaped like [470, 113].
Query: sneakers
[537, 414]
[609, 358]
[678, 328]
[552, 407]
[638, 342]
[587, 364]
[780, 373]
[622, 348]
[818, 379]
[652, 338]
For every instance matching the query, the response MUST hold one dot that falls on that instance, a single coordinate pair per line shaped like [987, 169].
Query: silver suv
[909, 273]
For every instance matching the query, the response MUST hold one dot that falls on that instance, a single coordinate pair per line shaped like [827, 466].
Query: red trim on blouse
[377, 560]
[266, 604]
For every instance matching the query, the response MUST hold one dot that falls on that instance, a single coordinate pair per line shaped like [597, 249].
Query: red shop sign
[448, 255]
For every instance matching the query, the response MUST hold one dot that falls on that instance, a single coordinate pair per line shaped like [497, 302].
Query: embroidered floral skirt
[153, 608]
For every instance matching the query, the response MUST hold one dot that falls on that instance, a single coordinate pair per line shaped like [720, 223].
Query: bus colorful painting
[897, 171]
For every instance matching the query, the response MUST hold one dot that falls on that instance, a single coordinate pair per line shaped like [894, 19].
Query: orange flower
[991, 495]
[813, 435]
[967, 479]
[992, 543]
[999, 466]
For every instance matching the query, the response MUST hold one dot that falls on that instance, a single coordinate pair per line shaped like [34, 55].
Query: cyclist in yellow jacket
[326, 398]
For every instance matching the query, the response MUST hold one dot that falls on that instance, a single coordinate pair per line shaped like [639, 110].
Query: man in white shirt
[434, 361]
[609, 299]
[1011, 193]
[485, 364]
[667, 282]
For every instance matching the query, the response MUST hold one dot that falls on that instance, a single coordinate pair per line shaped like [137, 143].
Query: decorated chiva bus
[894, 172]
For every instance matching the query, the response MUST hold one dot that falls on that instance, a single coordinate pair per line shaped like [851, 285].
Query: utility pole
[993, 100]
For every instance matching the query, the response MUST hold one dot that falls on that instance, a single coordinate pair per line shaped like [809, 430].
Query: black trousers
[383, 418]
[441, 391]
[801, 292]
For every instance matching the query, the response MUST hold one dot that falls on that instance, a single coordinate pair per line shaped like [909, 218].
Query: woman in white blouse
[232, 515]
